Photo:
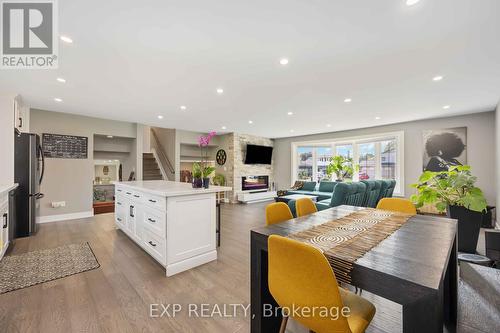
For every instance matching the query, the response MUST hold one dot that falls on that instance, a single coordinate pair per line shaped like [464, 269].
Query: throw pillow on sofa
[298, 185]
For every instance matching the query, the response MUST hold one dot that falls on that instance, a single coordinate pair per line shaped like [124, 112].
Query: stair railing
[162, 157]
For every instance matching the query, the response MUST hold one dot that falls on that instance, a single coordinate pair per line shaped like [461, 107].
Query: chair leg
[284, 321]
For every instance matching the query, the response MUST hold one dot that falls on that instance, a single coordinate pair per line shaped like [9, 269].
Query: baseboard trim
[64, 217]
[186, 264]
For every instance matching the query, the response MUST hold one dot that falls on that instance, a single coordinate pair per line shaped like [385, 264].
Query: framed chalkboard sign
[64, 146]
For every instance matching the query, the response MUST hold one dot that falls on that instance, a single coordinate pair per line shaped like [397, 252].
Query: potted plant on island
[202, 170]
[343, 168]
[454, 191]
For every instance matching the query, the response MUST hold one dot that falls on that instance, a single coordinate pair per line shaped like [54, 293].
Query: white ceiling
[135, 60]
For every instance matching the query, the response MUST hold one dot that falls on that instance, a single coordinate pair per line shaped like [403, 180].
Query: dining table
[415, 266]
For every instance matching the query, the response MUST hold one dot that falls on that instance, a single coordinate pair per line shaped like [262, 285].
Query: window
[323, 156]
[366, 161]
[304, 163]
[378, 157]
[344, 150]
[388, 159]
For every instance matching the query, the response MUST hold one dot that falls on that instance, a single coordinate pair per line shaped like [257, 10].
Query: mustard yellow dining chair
[397, 205]
[300, 276]
[305, 206]
[277, 212]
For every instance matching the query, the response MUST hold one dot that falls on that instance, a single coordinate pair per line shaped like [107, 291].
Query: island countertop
[7, 188]
[169, 188]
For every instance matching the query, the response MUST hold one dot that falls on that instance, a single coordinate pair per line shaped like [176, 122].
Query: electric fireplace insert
[250, 183]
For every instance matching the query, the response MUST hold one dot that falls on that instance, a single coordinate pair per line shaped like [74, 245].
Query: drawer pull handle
[137, 196]
[119, 219]
[152, 244]
[128, 193]
[151, 220]
[132, 211]
[118, 203]
[119, 190]
[151, 200]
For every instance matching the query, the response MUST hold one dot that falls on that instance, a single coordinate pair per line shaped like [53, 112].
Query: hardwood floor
[116, 297]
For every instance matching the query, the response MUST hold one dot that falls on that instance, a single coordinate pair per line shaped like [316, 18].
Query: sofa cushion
[322, 205]
[325, 186]
[309, 186]
[299, 192]
[322, 195]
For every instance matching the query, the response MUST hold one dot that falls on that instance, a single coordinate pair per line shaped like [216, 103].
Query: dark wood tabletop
[416, 266]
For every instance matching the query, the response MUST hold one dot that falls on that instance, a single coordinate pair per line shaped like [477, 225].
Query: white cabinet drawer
[154, 245]
[121, 217]
[120, 201]
[137, 196]
[155, 201]
[155, 221]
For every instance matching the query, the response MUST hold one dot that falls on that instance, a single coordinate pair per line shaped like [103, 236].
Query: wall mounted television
[258, 154]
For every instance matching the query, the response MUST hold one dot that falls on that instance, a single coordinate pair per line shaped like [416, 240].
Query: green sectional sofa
[365, 193]
[323, 191]
[372, 192]
[352, 194]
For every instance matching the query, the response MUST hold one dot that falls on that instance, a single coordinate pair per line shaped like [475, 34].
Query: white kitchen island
[173, 222]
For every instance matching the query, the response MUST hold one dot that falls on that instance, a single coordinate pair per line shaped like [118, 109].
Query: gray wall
[7, 139]
[480, 148]
[70, 180]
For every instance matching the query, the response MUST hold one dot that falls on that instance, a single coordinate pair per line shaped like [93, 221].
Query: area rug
[31, 268]
[348, 238]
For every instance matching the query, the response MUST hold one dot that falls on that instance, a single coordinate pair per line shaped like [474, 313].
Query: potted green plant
[343, 167]
[219, 179]
[197, 175]
[454, 191]
[205, 169]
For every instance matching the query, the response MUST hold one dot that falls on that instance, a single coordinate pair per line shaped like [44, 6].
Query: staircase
[150, 168]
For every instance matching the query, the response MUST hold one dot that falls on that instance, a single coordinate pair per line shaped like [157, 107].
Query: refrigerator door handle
[43, 165]
[5, 220]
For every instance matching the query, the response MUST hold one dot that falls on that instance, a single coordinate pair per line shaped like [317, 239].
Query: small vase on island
[197, 182]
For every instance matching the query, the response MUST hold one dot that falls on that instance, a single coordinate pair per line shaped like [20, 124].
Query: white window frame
[399, 191]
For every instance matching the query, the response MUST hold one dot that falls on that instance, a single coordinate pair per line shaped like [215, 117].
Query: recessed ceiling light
[224, 127]
[290, 113]
[66, 39]
[183, 107]
[220, 91]
[437, 78]
[446, 107]
[160, 117]
[109, 136]
[328, 125]
[284, 61]
[378, 118]
[57, 99]
[291, 131]
[412, 2]
[250, 122]
[347, 100]
[60, 79]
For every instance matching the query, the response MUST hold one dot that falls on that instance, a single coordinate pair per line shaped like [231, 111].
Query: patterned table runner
[348, 238]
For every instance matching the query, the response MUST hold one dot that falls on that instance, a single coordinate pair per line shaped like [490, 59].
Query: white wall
[480, 148]
[6, 139]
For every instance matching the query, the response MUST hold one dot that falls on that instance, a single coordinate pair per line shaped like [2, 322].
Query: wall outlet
[57, 204]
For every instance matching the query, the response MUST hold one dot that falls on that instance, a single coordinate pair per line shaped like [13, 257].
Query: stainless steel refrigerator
[28, 173]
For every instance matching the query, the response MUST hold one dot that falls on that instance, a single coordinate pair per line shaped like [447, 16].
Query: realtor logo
[29, 34]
